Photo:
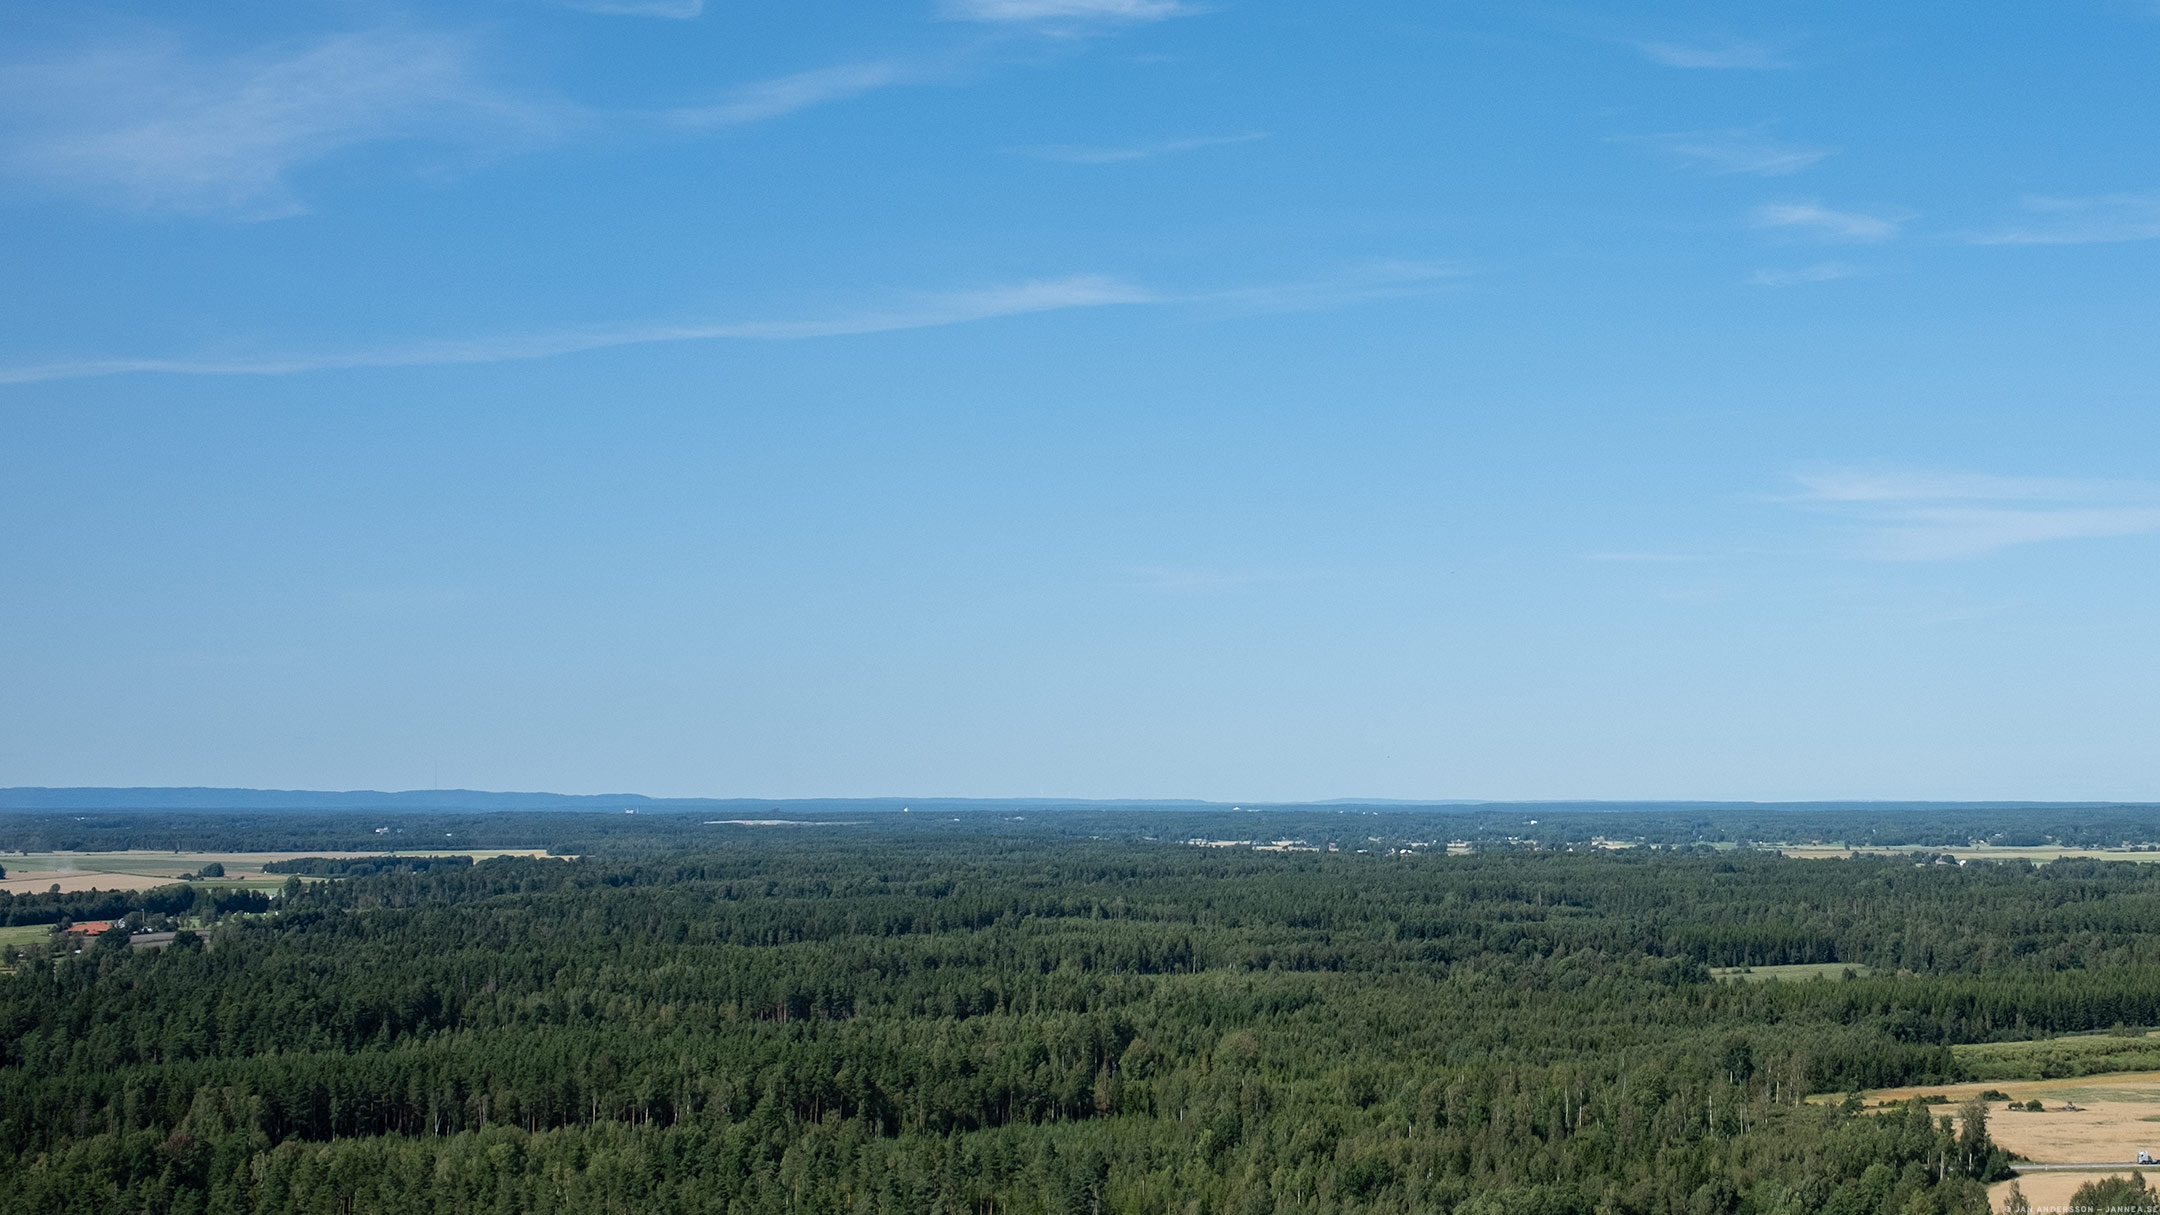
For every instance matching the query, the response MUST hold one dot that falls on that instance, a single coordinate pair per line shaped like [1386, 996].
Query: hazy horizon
[206, 797]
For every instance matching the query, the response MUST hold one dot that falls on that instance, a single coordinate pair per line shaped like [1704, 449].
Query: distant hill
[31, 798]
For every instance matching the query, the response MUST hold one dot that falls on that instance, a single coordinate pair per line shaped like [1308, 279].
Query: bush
[2114, 1194]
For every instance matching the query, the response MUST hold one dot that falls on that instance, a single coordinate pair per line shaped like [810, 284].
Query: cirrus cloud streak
[1021, 11]
[1935, 516]
[2105, 219]
[1826, 224]
[919, 312]
[1359, 285]
[151, 127]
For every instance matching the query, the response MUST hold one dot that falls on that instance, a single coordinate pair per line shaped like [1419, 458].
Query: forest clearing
[1788, 972]
[2117, 1116]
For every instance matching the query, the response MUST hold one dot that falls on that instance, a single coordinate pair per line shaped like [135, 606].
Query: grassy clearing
[24, 934]
[2107, 1066]
[2062, 1058]
[1796, 971]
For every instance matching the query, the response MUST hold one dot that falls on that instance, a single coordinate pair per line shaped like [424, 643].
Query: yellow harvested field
[71, 883]
[2118, 1117]
[1796, 970]
[1982, 852]
[2050, 1192]
[37, 872]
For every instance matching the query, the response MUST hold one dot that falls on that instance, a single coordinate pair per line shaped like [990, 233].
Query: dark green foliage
[174, 900]
[2126, 1194]
[359, 866]
[913, 1022]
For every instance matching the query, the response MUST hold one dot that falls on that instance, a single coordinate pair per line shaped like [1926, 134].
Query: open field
[2118, 1117]
[36, 872]
[1798, 970]
[1977, 852]
[73, 881]
[2050, 1192]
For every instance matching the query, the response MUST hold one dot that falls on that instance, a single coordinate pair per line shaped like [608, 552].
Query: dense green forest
[962, 1019]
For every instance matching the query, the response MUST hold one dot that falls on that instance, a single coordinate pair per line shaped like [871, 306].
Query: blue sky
[1082, 397]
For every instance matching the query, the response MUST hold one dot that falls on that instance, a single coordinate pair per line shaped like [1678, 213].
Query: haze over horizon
[191, 797]
[1123, 398]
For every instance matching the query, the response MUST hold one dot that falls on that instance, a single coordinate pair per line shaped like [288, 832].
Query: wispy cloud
[917, 312]
[155, 128]
[763, 100]
[1827, 224]
[1080, 154]
[1728, 54]
[1878, 485]
[767, 99]
[1820, 272]
[1018, 11]
[2105, 219]
[1739, 150]
[675, 10]
[1364, 284]
[1642, 558]
[1371, 282]
[1194, 581]
[1932, 516]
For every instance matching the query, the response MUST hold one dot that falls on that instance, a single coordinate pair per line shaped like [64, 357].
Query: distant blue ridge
[196, 798]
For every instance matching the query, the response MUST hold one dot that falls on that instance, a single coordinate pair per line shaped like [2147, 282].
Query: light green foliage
[2080, 1055]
